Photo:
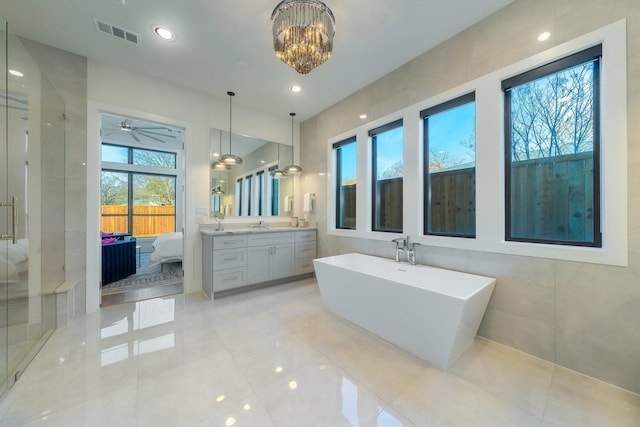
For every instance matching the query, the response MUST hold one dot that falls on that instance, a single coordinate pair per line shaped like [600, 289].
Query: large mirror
[250, 189]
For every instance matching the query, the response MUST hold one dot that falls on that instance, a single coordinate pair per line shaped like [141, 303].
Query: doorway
[141, 208]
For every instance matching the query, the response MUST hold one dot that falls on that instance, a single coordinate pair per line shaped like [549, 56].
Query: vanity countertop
[210, 230]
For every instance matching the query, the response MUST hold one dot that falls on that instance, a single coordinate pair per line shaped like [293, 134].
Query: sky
[446, 131]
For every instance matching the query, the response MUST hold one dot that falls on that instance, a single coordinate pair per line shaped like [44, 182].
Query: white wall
[580, 315]
[117, 90]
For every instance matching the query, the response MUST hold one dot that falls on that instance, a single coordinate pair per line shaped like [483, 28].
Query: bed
[166, 248]
[13, 260]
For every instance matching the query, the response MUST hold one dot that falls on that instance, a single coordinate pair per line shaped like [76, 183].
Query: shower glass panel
[32, 215]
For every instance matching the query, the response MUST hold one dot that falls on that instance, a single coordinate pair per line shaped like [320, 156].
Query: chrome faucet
[403, 244]
[262, 224]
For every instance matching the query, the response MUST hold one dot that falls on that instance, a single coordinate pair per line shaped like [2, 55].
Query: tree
[159, 159]
[393, 171]
[113, 188]
[553, 115]
[154, 190]
[349, 181]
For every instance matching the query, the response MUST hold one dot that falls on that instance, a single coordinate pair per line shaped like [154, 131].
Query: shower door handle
[14, 213]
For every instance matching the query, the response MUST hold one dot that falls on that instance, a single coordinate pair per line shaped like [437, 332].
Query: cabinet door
[258, 259]
[282, 261]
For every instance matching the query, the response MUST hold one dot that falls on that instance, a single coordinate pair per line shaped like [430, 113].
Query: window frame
[426, 174]
[131, 169]
[373, 133]
[336, 147]
[592, 54]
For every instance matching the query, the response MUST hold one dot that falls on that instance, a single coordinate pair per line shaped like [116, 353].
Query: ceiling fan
[151, 132]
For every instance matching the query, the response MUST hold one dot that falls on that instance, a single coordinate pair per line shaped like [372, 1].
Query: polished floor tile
[275, 357]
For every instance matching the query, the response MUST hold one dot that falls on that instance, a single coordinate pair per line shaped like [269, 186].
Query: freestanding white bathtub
[430, 312]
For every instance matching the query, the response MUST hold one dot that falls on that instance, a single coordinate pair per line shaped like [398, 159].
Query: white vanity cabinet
[236, 259]
[270, 261]
[224, 262]
[304, 251]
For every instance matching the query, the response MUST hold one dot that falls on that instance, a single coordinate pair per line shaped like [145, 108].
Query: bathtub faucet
[403, 244]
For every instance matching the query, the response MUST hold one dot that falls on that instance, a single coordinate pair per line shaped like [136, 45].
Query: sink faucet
[262, 224]
[403, 244]
[219, 221]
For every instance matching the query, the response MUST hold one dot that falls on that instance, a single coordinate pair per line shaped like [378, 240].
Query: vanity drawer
[303, 266]
[305, 236]
[229, 258]
[229, 242]
[229, 279]
[262, 239]
[305, 250]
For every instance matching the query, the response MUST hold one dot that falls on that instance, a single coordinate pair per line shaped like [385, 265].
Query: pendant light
[292, 169]
[277, 173]
[218, 165]
[230, 159]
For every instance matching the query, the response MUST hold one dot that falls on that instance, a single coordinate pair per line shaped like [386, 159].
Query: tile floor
[275, 357]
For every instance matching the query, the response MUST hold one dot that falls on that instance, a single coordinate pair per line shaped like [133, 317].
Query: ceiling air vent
[112, 30]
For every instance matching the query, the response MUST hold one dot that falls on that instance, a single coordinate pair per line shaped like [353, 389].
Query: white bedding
[167, 247]
[13, 260]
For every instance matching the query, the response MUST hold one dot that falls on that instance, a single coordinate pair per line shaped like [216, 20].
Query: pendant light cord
[231, 95]
[293, 157]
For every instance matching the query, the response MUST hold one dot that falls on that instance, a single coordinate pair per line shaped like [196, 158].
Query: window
[247, 192]
[153, 158]
[114, 200]
[260, 192]
[387, 157]
[552, 152]
[346, 183]
[450, 178]
[239, 196]
[136, 197]
[274, 188]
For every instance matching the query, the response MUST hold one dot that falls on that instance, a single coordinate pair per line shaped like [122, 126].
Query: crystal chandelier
[303, 33]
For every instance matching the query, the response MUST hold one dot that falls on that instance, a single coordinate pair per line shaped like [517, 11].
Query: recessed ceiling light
[295, 88]
[321, 173]
[163, 33]
[363, 116]
[544, 36]
[16, 73]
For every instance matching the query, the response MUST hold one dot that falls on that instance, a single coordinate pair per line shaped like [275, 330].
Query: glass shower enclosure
[32, 194]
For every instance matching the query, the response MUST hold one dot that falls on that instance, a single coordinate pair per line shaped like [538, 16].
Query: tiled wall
[68, 75]
[582, 316]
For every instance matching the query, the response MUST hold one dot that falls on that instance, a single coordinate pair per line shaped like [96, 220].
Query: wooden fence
[389, 216]
[552, 199]
[348, 203]
[453, 202]
[148, 221]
